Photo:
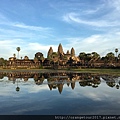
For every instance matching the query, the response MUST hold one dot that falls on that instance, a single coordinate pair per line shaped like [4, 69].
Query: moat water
[23, 93]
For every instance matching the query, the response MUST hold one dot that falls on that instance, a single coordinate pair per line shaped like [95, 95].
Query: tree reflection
[38, 79]
[56, 80]
[110, 83]
[117, 86]
[93, 80]
[17, 88]
[1, 76]
[25, 79]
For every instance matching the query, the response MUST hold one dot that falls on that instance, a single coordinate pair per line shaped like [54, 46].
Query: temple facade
[61, 59]
[54, 59]
[26, 63]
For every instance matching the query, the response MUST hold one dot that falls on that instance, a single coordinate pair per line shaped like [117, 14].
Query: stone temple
[60, 55]
[59, 58]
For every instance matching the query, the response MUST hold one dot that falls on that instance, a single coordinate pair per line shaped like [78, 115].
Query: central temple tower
[60, 50]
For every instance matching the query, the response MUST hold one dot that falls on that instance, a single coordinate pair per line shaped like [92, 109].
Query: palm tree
[116, 50]
[18, 49]
[17, 88]
[14, 55]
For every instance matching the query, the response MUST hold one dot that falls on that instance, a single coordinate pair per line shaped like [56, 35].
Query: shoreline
[86, 70]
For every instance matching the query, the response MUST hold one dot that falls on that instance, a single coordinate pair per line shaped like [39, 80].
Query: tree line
[86, 58]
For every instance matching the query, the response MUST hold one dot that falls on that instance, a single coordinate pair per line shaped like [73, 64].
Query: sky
[36, 25]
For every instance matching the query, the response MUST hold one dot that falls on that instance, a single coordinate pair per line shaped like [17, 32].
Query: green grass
[83, 70]
[99, 71]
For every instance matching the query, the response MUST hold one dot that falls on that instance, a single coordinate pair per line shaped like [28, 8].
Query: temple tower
[60, 49]
[67, 52]
[50, 52]
[72, 52]
[60, 88]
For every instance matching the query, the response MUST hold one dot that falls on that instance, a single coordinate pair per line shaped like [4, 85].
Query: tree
[39, 56]
[3, 62]
[82, 56]
[14, 55]
[95, 56]
[110, 57]
[119, 56]
[70, 62]
[18, 49]
[35, 59]
[116, 50]
[88, 57]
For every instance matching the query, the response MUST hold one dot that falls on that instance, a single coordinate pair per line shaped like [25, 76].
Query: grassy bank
[86, 70]
[99, 71]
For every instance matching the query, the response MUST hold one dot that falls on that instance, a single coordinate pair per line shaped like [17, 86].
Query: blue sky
[35, 25]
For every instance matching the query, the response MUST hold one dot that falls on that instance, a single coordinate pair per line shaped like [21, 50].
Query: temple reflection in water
[57, 80]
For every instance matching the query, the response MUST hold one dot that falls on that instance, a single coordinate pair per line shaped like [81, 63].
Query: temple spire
[50, 52]
[60, 88]
[67, 52]
[60, 49]
[72, 52]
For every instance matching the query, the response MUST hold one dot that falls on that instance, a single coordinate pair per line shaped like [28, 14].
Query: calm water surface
[60, 93]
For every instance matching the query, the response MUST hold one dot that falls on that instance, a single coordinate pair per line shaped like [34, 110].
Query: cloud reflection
[49, 95]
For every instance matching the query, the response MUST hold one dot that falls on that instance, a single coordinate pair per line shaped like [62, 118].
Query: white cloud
[22, 30]
[95, 93]
[99, 43]
[37, 28]
[115, 4]
[34, 39]
[8, 48]
[93, 39]
[105, 14]
[29, 38]
[37, 47]
[31, 87]
[75, 18]
[91, 11]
